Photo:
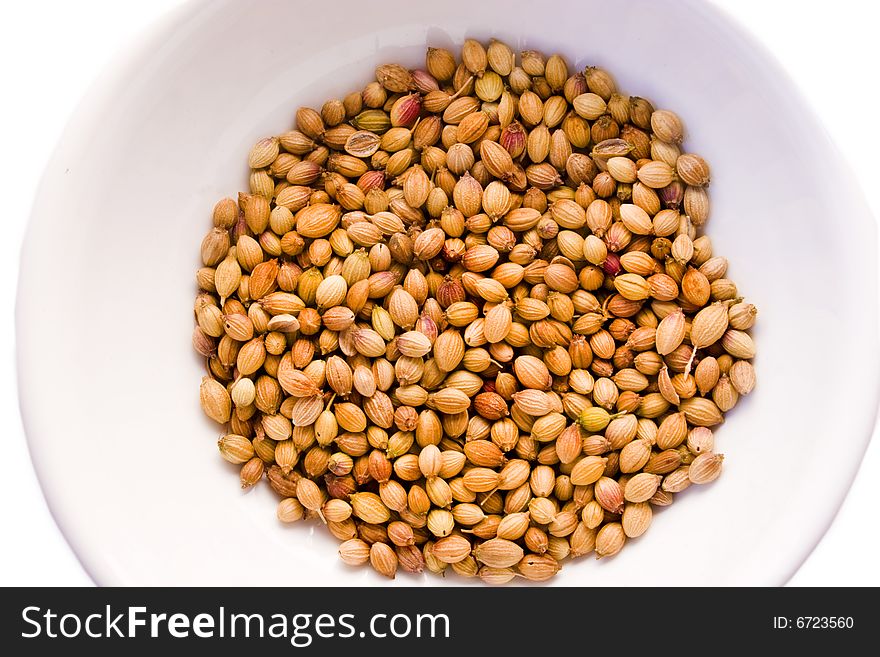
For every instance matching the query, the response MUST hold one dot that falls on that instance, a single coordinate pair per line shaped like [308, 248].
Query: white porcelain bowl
[109, 382]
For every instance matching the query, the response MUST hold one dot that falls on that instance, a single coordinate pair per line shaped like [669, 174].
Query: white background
[51, 50]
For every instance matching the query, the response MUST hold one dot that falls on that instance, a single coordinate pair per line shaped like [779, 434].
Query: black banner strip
[391, 621]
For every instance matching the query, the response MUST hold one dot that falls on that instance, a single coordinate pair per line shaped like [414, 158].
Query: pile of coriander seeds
[465, 318]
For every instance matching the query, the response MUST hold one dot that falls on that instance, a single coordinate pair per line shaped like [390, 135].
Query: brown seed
[252, 472]
[538, 567]
[588, 470]
[610, 540]
[742, 376]
[235, 449]
[706, 374]
[532, 373]
[634, 455]
[663, 462]
[497, 575]
[692, 169]
[383, 559]
[655, 175]
[452, 549]
[480, 480]
[701, 412]
[290, 510]
[609, 494]
[410, 558]
[738, 344]
[369, 508]
[667, 126]
[670, 332]
[677, 480]
[641, 487]
[449, 401]
[317, 220]
[490, 405]
[709, 325]
[354, 552]
[215, 400]
[498, 553]
[699, 440]
[705, 468]
[484, 453]
[672, 431]
[636, 519]
[513, 526]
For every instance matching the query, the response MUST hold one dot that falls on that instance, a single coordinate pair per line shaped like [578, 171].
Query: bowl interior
[109, 392]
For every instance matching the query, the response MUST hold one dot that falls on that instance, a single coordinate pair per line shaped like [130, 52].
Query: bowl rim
[85, 120]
